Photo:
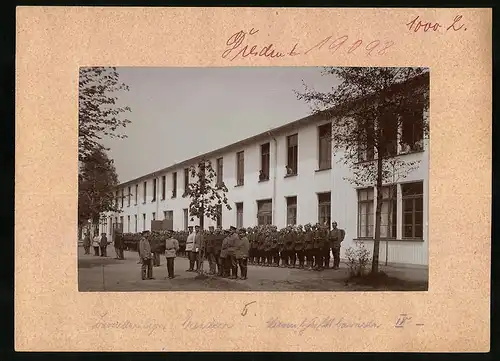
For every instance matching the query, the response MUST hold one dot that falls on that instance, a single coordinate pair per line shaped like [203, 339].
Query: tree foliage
[98, 114]
[97, 179]
[373, 110]
[207, 196]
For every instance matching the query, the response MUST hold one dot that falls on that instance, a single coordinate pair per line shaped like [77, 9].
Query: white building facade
[312, 189]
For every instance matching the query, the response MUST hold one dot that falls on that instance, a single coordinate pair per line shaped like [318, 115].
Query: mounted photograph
[253, 179]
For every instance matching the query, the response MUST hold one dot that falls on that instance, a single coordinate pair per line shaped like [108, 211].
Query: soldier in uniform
[318, 247]
[260, 246]
[309, 245]
[337, 236]
[267, 247]
[275, 255]
[299, 246]
[290, 247]
[281, 247]
[233, 240]
[327, 245]
[243, 246]
[210, 250]
[155, 244]
[223, 256]
[218, 237]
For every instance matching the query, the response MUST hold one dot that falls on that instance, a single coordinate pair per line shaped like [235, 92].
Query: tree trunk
[378, 217]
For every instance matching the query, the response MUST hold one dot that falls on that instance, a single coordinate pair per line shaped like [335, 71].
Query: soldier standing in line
[260, 246]
[210, 250]
[199, 246]
[223, 256]
[309, 245]
[318, 247]
[268, 243]
[289, 246]
[280, 251]
[327, 245]
[242, 253]
[154, 242]
[219, 236]
[253, 244]
[337, 236]
[231, 252]
[299, 246]
[275, 255]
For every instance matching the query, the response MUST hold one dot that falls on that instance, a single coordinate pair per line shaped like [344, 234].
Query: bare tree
[373, 110]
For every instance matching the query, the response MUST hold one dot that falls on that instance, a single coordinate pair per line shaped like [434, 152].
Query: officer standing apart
[231, 252]
[171, 248]
[242, 249]
[189, 249]
[337, 236]
[146, 257]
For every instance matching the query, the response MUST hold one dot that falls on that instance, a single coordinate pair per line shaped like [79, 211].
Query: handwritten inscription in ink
[419, 25]
[243, 44]
[317, 323]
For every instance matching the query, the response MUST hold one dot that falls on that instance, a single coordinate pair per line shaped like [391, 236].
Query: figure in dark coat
[242, 249]
[104, 245]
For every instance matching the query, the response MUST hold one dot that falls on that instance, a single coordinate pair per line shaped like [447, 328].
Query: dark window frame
[240, 168]
[325, 146]
[292, 154]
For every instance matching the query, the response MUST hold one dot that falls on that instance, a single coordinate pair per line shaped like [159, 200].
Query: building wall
[305, 186]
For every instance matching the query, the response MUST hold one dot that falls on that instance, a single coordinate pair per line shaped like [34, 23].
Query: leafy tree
[373, 109]
[97, 179]
[98, 114]
[207, 197]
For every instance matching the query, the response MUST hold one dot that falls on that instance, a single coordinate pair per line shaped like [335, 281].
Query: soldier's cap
[145, 232]
[242, 230]
[232, 228]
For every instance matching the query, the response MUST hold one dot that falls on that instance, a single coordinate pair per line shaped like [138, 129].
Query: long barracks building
[288, 175]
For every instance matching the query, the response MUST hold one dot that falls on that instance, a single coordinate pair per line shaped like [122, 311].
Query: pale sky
[179, 113]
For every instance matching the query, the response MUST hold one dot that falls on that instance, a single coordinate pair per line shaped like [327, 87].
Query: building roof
[261, 136]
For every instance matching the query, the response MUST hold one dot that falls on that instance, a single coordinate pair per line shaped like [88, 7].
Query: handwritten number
[245, 308]
[388, 44]
[355, 46]
[336, 46]
[370, 47]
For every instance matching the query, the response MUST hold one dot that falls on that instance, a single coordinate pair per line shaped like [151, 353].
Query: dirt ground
[108, 274]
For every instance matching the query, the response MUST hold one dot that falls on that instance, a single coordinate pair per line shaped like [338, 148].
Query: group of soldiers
[304, 247]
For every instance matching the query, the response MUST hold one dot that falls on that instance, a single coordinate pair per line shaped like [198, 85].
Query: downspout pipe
[274, 175]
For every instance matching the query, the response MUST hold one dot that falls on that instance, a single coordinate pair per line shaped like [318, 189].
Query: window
[292, 154]
[154, 216]
[219, 215]
[164, 214]
[413, 209]
[325, 146]
[389, 136]
[144, 221]
[169, 216]
[174, 185]
[366, 140]
[186, 180]
[163, 187]
[291, 211]
[220, 171]
[135, 223]
[116, 199]
[136, 193]
[239, 215]
[365, 213]
[128, 224]
[412, 124]
[388, 222]
[128, 196]
[265, 212]
[324, 208]
[144, 191]
[122, 197]
[110, 225]
[240, 168]
[265, 152]
[186, 218]
[154, 190]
